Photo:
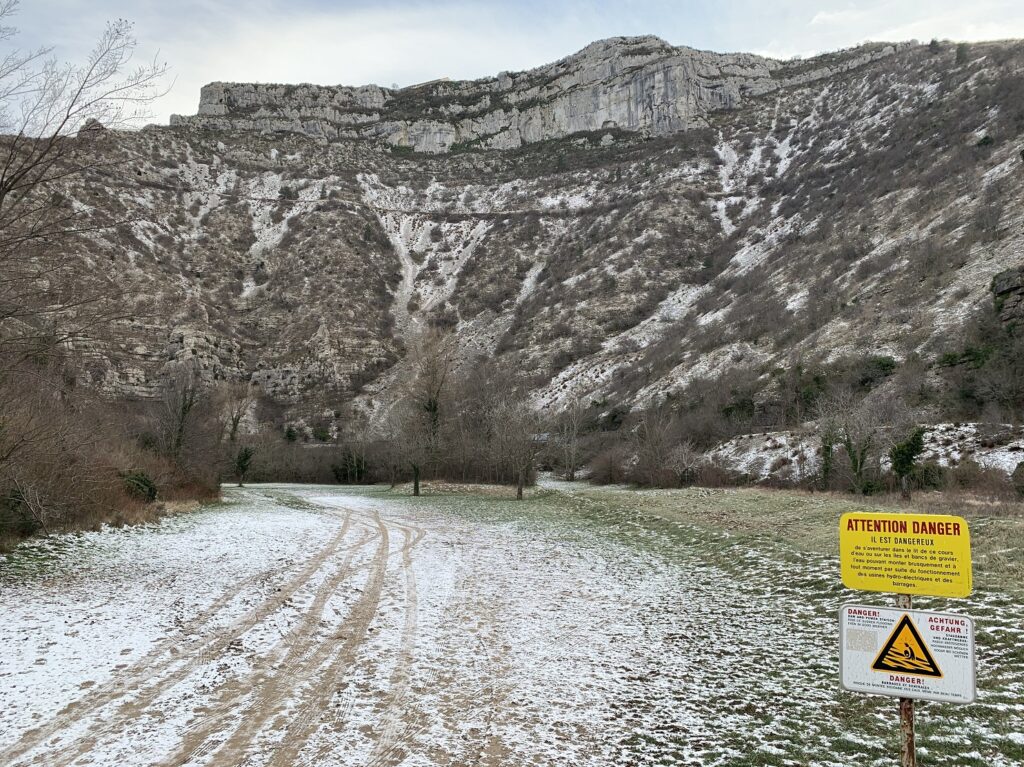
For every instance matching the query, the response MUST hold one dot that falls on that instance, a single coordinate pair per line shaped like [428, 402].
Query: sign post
[906, 654]
[908, 747]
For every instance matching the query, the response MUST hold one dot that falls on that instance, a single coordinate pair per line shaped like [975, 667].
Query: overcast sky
[353, 42]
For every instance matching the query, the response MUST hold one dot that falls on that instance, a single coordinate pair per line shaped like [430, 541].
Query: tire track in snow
[304, 722]
[286, 667]
[150, 677]
[395, 727]
[302, 730]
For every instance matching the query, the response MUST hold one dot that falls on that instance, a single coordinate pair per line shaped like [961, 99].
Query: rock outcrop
[1008, 288]
[637, 84]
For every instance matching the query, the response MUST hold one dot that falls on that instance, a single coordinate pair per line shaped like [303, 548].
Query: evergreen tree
[903, 456]
[243, 460]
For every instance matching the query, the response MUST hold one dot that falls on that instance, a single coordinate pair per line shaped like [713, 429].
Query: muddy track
[255, 698]
[399, 720]
[305, 719]
[280, 708]
[138, 686]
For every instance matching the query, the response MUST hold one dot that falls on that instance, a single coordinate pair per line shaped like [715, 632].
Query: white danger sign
[907, 653]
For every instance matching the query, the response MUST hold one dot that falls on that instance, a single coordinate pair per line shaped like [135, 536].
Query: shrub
[873, 487]
[872, 370]
[139, 485]
[969, 475]
[1018, 479]
[16, 519]
[929, 476]
[711, 474]
[608, 466]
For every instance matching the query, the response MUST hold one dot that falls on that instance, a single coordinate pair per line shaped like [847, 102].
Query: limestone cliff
[638, 84]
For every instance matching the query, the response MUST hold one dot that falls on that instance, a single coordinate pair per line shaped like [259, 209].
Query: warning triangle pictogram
[906, 653]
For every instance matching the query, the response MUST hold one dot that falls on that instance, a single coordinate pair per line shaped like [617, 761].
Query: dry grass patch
[810, 521]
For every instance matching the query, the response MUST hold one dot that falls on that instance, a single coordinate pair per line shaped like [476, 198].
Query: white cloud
[835, 18]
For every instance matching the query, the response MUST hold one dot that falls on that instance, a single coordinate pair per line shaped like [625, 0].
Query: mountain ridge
[860, 213]
[639, 84]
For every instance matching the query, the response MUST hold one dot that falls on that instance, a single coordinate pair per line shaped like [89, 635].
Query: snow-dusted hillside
[795, 456]
[860, 205]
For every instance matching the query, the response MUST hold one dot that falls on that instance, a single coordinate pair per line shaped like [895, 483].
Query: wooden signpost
[906, 654]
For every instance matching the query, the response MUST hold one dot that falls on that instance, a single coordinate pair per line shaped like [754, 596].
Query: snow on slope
[795, 456]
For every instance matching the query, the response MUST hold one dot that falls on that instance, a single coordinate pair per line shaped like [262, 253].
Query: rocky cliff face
[625, 223]
[638, 84]
[1008, 289]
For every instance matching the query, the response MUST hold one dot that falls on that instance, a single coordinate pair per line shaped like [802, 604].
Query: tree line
[64, 453]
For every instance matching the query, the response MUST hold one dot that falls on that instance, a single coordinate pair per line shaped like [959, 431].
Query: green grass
[788, 542]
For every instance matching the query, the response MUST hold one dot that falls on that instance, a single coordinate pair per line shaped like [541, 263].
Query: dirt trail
[254, 698]
[267, 712]
[397, 719]
[315, 711]
[136, 687]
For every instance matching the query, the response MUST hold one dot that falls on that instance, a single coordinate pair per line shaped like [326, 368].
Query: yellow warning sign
[927, 554]
[905, 652]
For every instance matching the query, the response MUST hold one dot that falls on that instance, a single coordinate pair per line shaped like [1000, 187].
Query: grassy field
[585, 625]
[810, 521]
[778, 546]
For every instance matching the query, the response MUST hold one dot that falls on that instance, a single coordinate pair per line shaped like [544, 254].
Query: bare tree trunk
[521, 481]
[416, 480]
[904, 488]
[30, 500]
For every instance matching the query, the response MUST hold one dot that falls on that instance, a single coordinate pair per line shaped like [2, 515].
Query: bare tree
[684, 460]
[652, 443]
[422, 406]
[43, 104]
[182, 413]
[235, 400]
[570, 428]
[519, 438]
[865, 429]
[55, 449]
[388, 441]
[416, 440]
[58, 445]
[472, 429]
[846, 423]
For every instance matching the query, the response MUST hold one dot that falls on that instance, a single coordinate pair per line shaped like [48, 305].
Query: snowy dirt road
[326, 626]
